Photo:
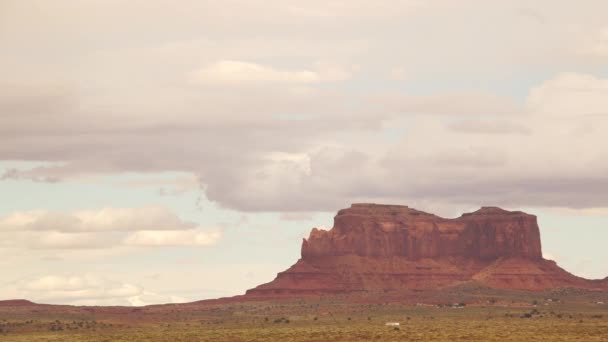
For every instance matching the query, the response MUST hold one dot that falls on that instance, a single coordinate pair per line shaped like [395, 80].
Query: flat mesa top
[495, 211]
[374, 211]
[486, 210]
[376, 205]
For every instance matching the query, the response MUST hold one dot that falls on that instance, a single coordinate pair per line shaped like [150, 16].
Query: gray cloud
[308, 120]
[456, 104]
[321, 162]
[489, 127]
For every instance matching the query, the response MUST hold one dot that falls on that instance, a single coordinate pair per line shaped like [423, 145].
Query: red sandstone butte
[374, 247]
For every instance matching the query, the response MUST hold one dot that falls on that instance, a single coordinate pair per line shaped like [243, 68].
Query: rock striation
[398, 231]
[375, 247]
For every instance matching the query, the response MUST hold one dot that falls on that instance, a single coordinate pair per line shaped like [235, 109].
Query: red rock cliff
[391, 230]
[374, 247]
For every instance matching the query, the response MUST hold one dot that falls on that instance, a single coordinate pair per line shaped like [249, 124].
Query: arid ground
[484, 315]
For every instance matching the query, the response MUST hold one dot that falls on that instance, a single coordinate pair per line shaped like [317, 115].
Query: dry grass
[321, 321]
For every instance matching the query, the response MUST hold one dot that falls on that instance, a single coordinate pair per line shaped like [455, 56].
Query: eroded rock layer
[374, 247]
[387, 231]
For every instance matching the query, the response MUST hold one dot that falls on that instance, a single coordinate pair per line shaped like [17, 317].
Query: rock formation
[374, 247]
[16, 302]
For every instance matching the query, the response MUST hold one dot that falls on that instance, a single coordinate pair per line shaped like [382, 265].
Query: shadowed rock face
[390, 247]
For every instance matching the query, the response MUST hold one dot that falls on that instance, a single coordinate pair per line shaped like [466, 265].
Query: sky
[168, 151]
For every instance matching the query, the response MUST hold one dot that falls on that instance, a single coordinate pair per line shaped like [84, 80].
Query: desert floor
[537, 317]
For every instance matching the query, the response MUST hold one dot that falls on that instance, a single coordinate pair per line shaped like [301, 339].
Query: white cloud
[353, 8]
[88, 289]
[549, 256]
[61, 240]
[149, 298]
[597, 44]
[493, 126]
[102, 228]
[398, 74]
[106, 219]
[332, 72]
[191, 237]
[239, 72]
[453, 103]
[570, 95]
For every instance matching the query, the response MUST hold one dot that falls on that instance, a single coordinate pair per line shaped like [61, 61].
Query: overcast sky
[164, 151]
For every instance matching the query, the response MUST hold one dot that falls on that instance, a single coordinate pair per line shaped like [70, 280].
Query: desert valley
[382, 273]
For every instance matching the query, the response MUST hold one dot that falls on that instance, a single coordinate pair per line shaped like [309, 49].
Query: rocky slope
[374, 247]
[16, 302]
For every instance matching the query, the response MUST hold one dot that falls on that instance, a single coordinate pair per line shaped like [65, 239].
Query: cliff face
[389, 247]
[387, 230]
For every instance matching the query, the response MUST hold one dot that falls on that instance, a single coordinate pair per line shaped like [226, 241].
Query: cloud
[596, 44]
[59, 240]
[191, 237]
[296, 216]
[304, 135]
[238, 72]
[88, 289]
[461, 163]
[174, 185]
[355, 8]
[397, 74]
[549, 256]
[16, 174]
[301, 107]
[305, 162]
[457, 103]
[488, 127]
[106, 219]
[34, 100]
[102, 228]
[597, 212]
[570, 95]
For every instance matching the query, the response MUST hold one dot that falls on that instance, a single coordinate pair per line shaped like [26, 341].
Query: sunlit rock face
[387, 230]
[375, 247]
